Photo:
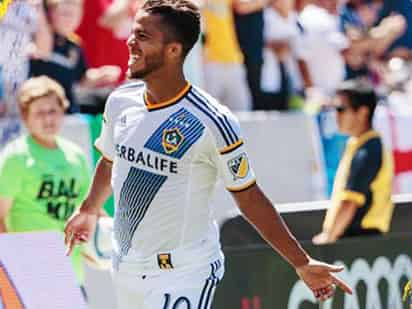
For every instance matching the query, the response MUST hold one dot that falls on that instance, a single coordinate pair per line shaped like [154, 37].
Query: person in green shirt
[43, 177]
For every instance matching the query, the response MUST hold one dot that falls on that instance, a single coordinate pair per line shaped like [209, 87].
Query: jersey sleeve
[10, 175]
[230, 156]
[364, 168]
[104, 143]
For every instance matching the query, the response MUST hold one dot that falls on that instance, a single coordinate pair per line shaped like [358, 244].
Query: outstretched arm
[260, 212]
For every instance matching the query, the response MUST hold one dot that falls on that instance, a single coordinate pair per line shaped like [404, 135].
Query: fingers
[70, 243]
[73, 236]
[325, 293]
[69, 229]
[335, 280]
[342, 285]
[67, 234]
[334, 268]
[75, 239]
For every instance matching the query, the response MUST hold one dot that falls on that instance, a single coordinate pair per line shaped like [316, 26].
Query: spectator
[361, 198]
[358, 15]
[369, 40]
[323, 46]
[43, 177]
[355, 20]
[249, 24]
[403, 45]
[225, 76]
[23, 32]
[66, 64]
[104, 29]
[281, 77]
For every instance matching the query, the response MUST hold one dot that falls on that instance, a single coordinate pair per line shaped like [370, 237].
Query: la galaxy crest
[239, 166]
[172, 139]
[4, 5]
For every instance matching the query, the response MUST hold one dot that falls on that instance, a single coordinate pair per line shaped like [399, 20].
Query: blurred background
[275, 63]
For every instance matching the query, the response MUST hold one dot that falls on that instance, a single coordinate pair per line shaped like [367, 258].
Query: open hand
[319, 277]
[79, 228]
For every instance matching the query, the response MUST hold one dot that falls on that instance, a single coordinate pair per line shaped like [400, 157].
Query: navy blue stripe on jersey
[136, 195]
[222, 117]
[209, 295]
[211, 116]
[211, 106]
[217, 265]
[217, 115]
[184, 125]
[210, 285]
[202, 295]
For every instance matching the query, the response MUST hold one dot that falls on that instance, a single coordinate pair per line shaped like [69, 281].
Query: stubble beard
[152, 64]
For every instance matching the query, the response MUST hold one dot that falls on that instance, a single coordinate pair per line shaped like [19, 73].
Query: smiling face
[147, 46]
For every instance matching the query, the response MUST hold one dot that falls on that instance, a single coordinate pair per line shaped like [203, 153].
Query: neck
[160, 89]
[45, 142]
[362, 130]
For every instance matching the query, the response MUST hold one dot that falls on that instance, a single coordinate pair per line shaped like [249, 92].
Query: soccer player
[165, 143]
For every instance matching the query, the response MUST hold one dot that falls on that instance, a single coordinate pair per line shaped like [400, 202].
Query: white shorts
[191, 288]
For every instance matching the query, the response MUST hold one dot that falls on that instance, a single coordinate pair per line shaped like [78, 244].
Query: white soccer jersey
[167, 159]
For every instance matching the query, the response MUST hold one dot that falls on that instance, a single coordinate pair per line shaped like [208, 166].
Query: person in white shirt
[322, 46]
[281, 77]
[165, 144]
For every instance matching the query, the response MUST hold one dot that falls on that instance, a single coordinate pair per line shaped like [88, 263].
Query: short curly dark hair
[181, 18]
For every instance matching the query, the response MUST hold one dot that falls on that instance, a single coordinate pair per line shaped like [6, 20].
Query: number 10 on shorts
[180, 303]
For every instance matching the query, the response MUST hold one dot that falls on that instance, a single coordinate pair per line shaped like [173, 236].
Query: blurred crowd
[253, 54]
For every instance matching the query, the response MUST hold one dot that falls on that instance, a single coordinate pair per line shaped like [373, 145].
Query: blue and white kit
[167, 158]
